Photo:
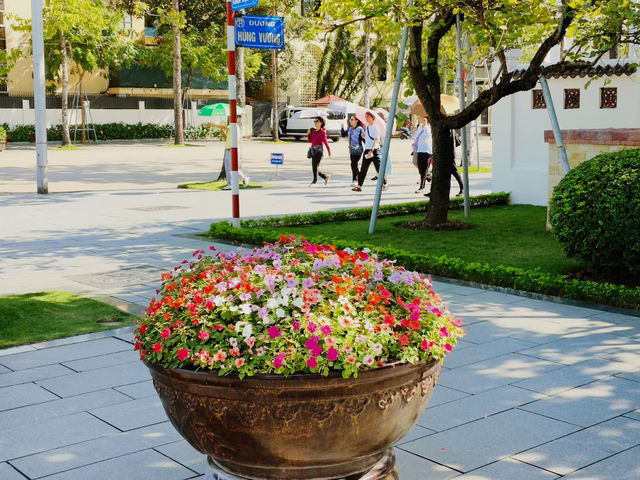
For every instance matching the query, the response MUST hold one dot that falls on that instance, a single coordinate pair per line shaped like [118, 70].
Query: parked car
[290, 125]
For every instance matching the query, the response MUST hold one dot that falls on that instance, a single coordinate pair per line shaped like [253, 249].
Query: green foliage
[595, 211]
[114, 131]
[255, 232]
[3, 134]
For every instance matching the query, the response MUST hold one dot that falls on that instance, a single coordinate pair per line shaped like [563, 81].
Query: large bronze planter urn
[297, 427]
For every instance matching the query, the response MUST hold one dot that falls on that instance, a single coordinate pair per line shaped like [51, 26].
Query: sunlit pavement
[537, 390]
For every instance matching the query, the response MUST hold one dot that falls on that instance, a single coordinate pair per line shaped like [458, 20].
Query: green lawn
[512, 235]
[217, 185]
[42, 316]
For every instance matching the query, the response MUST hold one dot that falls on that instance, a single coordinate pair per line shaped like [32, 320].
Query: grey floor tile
[7, 472]
[57, 408]
[96, 450]
[185, 454]
[13, 350]
[573, 376]
[623, 466]
[138, 390]
[66, 353]
[585, 447]
[414, 467]
[37, 437]
[144, 465]
[484, 332]
[416, 432]
[508, 469]
[103, 361]
[99, 379]
[33, 374]
[442, 394]
[538, 330]
[583, 346]
[485, 441]
[133, 414]
[474, 407]
[21, 395]
[495, 372]
[4, 369]
[592, 403]
[478, 353]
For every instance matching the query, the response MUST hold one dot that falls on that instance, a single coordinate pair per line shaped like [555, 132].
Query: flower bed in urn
[294, 307]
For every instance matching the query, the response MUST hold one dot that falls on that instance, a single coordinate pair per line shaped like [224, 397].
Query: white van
[336, 123]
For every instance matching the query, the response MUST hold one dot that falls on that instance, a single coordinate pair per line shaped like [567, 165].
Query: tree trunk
[367, 66]
[177, 79]
[83, 111]
[443, 162]
[240, 87]
[66, 138]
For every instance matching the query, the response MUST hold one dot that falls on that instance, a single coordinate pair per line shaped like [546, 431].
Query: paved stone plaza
[537, 390]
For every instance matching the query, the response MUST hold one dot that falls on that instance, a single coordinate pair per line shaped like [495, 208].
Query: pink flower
[277, 362]
[312, 327]
[183, 354]
[166, 333]
[203, 335]
[239, 362]
[448, 347]
[312, 342]
[368, 360]
[296, 325]
[312, 363]
[326, 329]
[316, 351]
[444, 332]
[351, 358]
[274, 332]
[332, 354]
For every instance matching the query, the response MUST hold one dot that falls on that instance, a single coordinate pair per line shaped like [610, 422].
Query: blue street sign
[237, 5]
[277, 159]
[264, 32]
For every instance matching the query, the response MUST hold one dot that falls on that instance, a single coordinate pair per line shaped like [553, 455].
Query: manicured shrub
[595, 211]
[3, 134]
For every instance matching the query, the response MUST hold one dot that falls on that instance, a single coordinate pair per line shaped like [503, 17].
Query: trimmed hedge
[256, 232]
[112, 131]
[595, 211]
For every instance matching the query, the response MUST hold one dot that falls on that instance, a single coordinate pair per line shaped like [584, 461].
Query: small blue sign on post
[260, 31]
[237, 5]
[277, 159]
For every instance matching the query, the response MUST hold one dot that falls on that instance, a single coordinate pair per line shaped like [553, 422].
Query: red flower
[415, 325]
[404, 339]
[157, 347]
[166, 333]
[183, 354]
[143, 328]
[390, 320]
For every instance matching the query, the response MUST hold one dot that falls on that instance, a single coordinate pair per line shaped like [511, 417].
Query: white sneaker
[420, 190]
[353, 184]
[326, 179]
[245, 182]
[313, 184]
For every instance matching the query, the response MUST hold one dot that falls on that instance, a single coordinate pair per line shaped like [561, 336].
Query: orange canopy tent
[449, 102]
[327, 99]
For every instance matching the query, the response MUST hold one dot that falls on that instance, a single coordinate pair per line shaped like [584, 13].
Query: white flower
[280, 313]
[267, 320]
[298, 302]
[247, 330]
[233, 308]
[272, 303]
[343, 300]
[245, 308]
[286, 291]
[377, 348]
[368, 360]
[361, 339]
[233, 342]
[219, 300]
[284, 300]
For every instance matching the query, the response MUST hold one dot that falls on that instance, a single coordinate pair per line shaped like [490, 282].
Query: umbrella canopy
[217, 110]
[449, 103]
[310, 113]
[327, 99]
[343, 106]
[361, 113]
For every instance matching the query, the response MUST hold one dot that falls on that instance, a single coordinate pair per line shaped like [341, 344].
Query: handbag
[414, 159]
[314, 150]
[310, 152]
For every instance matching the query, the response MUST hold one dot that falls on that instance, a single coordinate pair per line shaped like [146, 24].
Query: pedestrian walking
[317, 137]
[422, 151]
[371, 137]
[356, 147]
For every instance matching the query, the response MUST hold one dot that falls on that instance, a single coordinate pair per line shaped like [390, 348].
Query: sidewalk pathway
[536, 390]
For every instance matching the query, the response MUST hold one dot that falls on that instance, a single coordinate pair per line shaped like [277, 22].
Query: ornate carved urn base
[301, 427]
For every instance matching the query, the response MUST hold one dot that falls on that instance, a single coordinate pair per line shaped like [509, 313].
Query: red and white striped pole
[233, 116]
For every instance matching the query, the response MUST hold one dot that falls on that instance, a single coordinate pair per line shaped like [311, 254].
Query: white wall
[520, 155]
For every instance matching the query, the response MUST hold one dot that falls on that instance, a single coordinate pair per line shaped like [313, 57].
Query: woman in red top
[318, 138]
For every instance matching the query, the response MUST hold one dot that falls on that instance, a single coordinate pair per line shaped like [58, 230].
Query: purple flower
[270, 282]
[292, 282]
[260, 269]
[317, 264]
[263, 312]
[307, 282]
